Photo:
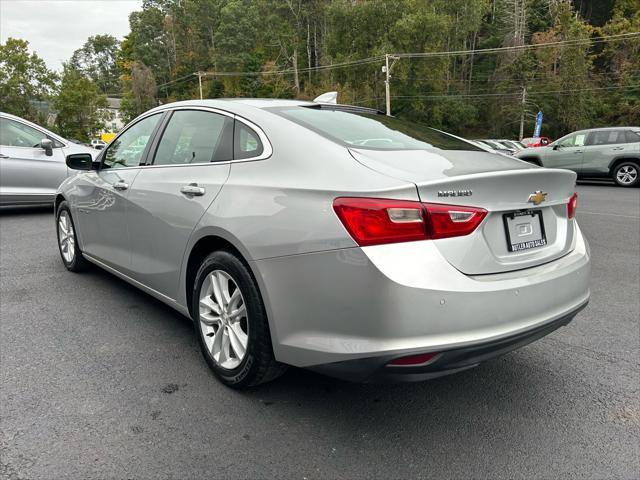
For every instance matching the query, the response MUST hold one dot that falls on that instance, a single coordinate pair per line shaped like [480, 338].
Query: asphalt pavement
[99, 380]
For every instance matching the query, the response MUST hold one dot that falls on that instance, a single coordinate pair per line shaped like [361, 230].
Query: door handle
[120, 185]
[193, 189]
[2, 155]
[617, 148]
[577, 151]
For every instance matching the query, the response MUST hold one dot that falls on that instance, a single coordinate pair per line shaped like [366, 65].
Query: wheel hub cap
[627, 174]
[223, 319]
[66, 237]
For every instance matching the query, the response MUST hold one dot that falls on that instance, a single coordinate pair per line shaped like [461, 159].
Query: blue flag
[536, 132]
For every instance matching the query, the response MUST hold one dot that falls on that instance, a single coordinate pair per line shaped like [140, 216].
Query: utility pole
[200, 82]
[387, 89]
[524, 99]
[387, 83]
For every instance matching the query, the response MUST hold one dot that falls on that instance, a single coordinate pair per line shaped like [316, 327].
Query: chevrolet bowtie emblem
[537, 197]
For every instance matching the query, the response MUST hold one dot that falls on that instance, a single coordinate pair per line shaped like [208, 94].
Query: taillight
[447, 221]
[572, 205]
[375, 221]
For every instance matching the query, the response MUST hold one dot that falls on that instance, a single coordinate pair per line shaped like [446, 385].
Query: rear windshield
[372, 131]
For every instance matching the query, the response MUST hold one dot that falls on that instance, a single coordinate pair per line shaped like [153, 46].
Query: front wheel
[626, 174]
[68, 241]
[231, 323]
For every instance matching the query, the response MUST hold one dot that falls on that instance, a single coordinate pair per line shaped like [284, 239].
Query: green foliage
[24, 78]
[81, 108]
[97, 60]
[241, 43]
[139, 87]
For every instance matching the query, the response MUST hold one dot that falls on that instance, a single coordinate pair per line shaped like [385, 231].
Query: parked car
[328, 237]
[497, 147]
[512, 144]
[595, 153]
[98, 144]
[32, 161]
[535, 142]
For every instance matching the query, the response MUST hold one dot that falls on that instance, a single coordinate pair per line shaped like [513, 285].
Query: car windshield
[372, 131]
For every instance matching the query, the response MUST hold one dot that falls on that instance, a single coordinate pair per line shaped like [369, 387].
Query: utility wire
[379, 58]
[618, 37]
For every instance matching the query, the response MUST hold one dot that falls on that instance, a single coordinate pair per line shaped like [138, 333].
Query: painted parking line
[609, 214]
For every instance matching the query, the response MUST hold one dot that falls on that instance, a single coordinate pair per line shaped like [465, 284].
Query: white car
[98, 144]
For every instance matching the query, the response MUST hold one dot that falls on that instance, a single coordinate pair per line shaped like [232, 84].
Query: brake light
[447, 221]
[376, 221]
[572, 205]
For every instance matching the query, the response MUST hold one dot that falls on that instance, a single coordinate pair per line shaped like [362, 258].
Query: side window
[127, 149]
[16, 134]
[632, 136]
[195, 136]
[246, 142]
[608, 137]
[575, 140]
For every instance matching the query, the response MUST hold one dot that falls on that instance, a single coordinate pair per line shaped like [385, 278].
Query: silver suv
[595, 153]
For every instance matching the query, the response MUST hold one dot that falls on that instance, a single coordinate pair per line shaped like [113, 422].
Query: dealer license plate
[524, 230]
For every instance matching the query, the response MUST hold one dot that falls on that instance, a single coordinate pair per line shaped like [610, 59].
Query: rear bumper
[378, 370]
[347, 306]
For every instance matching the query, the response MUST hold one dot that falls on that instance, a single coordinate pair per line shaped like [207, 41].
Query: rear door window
[195, 136]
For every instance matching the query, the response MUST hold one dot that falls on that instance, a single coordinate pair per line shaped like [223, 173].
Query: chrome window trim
[267, 149]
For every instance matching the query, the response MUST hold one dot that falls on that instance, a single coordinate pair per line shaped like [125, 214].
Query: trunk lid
[500, 185]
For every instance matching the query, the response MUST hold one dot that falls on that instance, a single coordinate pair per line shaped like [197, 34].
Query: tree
[139, 89]
[80, 105]
[97, 60]
[24, 77]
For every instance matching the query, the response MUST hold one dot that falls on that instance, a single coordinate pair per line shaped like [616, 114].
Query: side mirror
[80, 161]
[556, 146]
[47, 146]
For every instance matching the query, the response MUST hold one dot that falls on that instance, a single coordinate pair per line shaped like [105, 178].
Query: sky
[55, 28]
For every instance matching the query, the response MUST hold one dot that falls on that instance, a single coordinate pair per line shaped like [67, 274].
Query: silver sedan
[32, 161]
[328, 237]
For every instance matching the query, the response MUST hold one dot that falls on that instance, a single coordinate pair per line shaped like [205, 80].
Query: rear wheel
[67, 240]
[231, 323]
[626, 174]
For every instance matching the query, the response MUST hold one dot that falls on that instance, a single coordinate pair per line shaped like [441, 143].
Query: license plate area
[524, 230]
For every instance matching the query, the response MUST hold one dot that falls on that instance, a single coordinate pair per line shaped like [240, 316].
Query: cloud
[55, 28]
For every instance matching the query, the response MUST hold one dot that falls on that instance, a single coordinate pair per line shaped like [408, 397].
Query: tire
[626, 174]
[531, 160]
[68, 241]
[235, 344]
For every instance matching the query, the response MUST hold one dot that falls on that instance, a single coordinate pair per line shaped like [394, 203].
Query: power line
[621, 36]
[380, 58]
[502, 94]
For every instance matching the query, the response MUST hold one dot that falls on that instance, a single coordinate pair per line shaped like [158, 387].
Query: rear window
[372, 131]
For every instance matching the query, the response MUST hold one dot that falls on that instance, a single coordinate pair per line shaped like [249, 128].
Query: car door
[101, 199]
[603, 147]
[190, 165]
[566, 152]
[28, 173]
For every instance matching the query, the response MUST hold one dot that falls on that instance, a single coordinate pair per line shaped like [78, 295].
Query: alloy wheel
[627, 174]
[223, 319]
[66, 237]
